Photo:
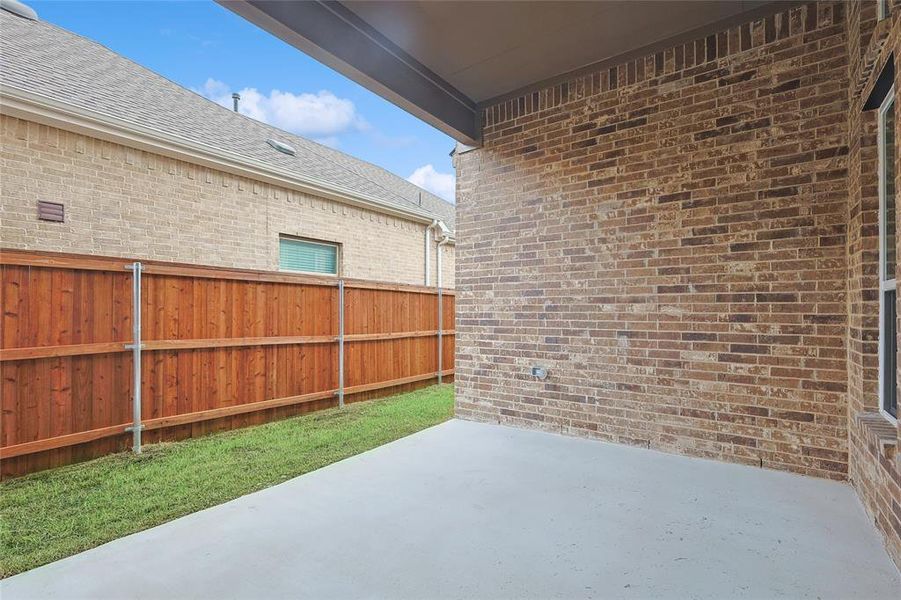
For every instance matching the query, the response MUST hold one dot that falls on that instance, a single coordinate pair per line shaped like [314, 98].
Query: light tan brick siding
[125, 202]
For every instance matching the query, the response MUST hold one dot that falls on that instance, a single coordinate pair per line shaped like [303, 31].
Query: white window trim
[884, 285]
[335, 245]
[883, 10]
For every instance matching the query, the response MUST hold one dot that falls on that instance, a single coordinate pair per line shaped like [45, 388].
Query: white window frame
[883, 9]
[335, 245]
[884, 284]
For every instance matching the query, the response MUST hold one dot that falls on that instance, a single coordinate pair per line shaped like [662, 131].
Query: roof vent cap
[19, 8]
[282, 147]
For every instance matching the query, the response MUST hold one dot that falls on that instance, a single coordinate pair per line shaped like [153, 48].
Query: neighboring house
[688, 244]
[102, 156]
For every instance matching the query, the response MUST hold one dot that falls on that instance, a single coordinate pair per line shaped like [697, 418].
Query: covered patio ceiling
[442, 61]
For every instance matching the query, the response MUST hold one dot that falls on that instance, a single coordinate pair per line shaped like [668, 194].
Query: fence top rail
[88, 262]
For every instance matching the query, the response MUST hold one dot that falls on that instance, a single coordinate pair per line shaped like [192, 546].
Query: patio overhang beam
[335, 36]
[446, 61]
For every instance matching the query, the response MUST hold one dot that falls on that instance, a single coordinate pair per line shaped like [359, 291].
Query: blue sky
[203, 46]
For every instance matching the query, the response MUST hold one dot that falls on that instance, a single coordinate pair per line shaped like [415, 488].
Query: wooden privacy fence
[217, 349]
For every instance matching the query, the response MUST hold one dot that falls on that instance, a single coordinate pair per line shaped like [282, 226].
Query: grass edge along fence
[216, 349]
[57, 513]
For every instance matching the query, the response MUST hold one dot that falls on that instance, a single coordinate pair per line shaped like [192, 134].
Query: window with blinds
[307, 257]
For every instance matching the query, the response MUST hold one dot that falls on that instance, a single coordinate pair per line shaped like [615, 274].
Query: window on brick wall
[307, 256]
[888, 335]
[883, 9]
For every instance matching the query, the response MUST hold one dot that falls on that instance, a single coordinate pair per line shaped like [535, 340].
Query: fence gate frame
[440, 334]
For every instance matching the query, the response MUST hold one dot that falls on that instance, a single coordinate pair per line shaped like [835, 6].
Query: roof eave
[16, 102]
[338, 38]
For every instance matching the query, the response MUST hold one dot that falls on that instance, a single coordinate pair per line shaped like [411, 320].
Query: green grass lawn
[56, 513]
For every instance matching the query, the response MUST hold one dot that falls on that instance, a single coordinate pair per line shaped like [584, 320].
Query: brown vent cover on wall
[51, 211]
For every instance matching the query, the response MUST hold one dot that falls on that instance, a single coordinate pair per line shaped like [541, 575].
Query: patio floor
[468, 510]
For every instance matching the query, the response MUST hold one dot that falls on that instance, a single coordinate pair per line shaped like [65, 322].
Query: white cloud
[331, 141]
[440, 184]
[322, 116]
[213, 88]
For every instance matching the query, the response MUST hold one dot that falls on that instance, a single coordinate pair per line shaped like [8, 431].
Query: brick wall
[668, 237]
[689, 241]
[125, 202]
[874, 462]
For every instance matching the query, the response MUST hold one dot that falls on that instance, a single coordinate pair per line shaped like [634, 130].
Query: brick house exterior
[123, 201]
[688, 242]
[149, 170]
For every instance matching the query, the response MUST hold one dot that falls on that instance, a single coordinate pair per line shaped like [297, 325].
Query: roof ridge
[298, 136]
[357, 159]
[353, 166]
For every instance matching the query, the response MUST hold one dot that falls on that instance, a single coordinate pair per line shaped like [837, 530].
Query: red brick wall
[874, 463]
[689, 243]
[668, 237]
[863, 224]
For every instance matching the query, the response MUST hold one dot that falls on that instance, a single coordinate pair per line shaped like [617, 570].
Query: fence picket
[221, 349]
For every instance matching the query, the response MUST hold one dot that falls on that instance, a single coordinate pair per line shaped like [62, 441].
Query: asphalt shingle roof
[44, 59]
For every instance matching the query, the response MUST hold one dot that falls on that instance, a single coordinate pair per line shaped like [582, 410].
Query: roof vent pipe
[237, 98]
[19, 8]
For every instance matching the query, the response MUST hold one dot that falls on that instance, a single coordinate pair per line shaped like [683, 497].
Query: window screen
[306, 256]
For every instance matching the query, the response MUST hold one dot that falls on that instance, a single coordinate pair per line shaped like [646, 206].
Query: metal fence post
[135, 347]
[440, 334]
[341, 343]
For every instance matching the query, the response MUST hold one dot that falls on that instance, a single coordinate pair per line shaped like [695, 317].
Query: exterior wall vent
[282, 147]
[51, 211]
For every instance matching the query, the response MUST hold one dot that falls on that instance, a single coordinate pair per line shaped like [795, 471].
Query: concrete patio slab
[468, 510]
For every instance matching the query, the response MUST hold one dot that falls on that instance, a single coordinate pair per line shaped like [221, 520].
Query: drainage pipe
[428, 252]
[444, 241]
